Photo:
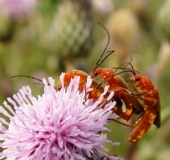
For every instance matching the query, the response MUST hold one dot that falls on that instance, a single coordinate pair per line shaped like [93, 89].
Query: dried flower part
[58, 125]
[71, 31]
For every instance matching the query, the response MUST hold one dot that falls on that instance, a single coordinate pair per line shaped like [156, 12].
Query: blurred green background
[45, 38]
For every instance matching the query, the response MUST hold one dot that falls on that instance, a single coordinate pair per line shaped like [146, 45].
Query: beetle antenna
[132, 71]
[99, 62]
[26, 77]
[127, 63]
[110, 52]
[112, 119]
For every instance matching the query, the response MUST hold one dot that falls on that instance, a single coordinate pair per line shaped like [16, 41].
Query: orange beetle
[95, 91]
[149, 94]
[121, 90]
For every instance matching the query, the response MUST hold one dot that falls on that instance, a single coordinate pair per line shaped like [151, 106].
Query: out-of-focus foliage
[139, 29]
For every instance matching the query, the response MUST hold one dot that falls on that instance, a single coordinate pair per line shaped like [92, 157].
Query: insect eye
[137, 79]
[96, 73]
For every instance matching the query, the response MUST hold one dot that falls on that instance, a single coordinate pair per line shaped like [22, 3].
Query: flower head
[59, 125]
[17, 8]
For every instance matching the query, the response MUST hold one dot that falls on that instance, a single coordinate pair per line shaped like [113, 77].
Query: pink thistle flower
[17, 8]
[59, 125]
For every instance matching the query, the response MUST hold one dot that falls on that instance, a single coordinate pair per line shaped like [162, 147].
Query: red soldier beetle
[148, 93]
[121, 90]
[95, 91]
